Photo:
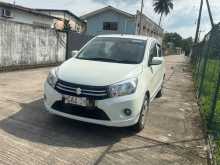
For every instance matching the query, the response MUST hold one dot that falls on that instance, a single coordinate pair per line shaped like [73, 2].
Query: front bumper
[112, 107]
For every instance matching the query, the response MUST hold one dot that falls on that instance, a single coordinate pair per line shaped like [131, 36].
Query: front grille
[92, 92]
[93, 112]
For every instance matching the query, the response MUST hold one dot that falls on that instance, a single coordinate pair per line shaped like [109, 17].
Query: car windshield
[118, 50]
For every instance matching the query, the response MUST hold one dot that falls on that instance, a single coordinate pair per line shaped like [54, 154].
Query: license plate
[81, 101]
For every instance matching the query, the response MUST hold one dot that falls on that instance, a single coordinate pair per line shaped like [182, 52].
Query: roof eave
[91, 14]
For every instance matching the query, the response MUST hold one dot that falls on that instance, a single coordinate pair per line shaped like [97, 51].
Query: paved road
[29, 135]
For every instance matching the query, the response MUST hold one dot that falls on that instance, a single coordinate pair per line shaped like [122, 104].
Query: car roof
[139, 37]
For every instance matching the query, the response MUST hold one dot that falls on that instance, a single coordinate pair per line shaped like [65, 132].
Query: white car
[110, 81]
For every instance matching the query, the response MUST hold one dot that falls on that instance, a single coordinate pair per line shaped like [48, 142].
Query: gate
[76, 41]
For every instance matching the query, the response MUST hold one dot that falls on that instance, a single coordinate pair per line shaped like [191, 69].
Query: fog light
[127, 112]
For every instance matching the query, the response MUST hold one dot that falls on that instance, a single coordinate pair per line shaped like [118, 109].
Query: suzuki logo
[78, 91]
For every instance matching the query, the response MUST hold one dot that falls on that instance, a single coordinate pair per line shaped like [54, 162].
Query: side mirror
[74, 53]
[155, 61]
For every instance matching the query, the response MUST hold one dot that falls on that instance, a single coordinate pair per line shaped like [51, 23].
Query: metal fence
[206, 66]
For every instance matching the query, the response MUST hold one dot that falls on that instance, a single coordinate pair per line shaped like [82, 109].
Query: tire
[142, 118]
[160, 93]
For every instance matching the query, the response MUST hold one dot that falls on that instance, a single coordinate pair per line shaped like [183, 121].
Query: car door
[161, 67]
[153, 69]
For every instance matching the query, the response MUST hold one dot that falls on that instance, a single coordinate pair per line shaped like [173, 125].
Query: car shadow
[34, 124]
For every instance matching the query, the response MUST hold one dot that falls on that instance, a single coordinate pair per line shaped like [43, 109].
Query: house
[75, 22]
[110, 20]
[148, 26]
[25, 15]
[40, 17]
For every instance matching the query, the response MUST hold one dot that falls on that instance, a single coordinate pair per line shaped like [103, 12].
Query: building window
[113, 26]
[6, 13]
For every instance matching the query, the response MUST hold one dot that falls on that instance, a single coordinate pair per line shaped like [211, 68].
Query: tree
[187, 45]
[162, 7]
[63, 25]
[67, 27]
[173, 40]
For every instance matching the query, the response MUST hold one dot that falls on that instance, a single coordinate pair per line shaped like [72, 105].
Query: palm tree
[162, 7]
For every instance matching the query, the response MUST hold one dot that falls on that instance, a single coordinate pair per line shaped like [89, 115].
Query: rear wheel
[160, 93]
[142, 118]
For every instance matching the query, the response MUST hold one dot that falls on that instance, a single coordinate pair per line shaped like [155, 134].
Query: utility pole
[140, 23]
[210, 13]
[198, 23]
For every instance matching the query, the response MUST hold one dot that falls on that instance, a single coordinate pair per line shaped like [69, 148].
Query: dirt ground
[29, 135]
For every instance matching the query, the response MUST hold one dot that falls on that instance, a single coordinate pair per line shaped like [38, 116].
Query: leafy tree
[176, 40]
[66, 26]
[162, 7]
[187, 45]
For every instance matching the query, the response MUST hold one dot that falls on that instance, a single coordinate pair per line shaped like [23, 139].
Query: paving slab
[31, 136]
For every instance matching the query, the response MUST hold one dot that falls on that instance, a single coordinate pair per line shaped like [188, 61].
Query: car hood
[96, 73]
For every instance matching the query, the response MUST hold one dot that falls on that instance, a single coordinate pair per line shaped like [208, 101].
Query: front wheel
[142, 118]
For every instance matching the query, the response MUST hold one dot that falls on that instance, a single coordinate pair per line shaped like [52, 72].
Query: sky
[182, 18]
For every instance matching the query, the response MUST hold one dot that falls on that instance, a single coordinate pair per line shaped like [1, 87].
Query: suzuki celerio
[110, 81]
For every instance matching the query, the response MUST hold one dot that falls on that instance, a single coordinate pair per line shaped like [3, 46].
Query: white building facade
[25, 15]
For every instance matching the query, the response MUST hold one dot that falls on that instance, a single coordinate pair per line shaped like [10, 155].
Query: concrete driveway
[29, 135]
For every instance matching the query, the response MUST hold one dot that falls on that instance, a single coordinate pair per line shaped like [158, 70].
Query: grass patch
[217, 154]
[207, 98]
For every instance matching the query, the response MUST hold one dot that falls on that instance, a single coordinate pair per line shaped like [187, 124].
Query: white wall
[23, 44]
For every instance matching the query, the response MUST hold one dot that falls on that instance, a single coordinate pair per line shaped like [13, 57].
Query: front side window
[153, 53]
[113, 26]
[118, 50]
[159, 50]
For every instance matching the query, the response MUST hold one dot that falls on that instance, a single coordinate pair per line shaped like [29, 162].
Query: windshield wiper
[109, 60]
[99, 59]
[126, 62]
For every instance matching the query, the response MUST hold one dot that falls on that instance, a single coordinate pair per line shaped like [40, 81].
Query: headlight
[52, 77]
[123, 88]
